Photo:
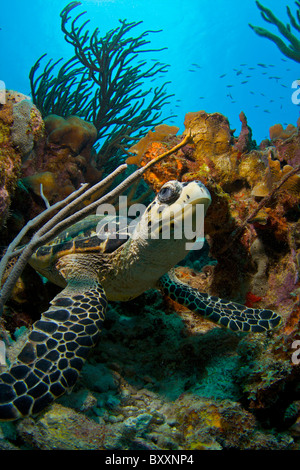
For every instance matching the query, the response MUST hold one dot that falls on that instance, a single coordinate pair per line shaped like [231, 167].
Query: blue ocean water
[212, 52]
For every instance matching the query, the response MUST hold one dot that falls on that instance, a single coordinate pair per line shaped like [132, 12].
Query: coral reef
[64, 159]
[238, 176]
[252, 228]
[244, 142]
[41, 162]
[159, 134]
[291, 49]
[56, 153]
[161, 377]
[287, 143]
[20, 129]
[155, 143]
[156, 381]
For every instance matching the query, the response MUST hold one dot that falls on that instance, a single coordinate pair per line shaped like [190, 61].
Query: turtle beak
[197, 193]
[190, 207]
[179, 216]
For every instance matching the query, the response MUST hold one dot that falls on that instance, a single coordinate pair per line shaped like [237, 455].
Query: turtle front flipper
[232, 315]
[50, 361]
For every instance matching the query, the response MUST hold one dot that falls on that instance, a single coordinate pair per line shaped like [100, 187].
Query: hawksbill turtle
[96, 265]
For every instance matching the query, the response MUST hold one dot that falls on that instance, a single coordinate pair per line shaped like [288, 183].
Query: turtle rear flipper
[230, 314]
[50, 361]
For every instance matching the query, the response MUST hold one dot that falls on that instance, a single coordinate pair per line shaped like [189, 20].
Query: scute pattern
[51, 359]
[232, 315]
[101, 234]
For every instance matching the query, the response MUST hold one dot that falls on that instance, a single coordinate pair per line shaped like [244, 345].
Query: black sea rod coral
[102, 83]
[288, 44]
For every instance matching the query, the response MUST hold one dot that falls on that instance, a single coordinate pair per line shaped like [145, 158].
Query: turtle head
[175, 219]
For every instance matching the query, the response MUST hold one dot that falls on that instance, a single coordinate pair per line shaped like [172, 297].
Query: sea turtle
[93, 266]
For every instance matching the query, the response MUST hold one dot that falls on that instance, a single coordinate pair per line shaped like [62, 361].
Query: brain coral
[27, 126]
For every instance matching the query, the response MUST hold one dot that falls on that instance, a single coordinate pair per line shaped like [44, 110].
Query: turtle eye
[169, 193]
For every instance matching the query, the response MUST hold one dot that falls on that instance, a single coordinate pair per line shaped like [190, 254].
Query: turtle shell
[98, 234]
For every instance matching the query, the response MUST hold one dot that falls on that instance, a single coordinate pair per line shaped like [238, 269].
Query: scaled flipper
[232, 315]
[50, 361]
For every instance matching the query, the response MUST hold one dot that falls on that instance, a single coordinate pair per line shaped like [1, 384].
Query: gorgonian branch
[291, 48]
[104, 82]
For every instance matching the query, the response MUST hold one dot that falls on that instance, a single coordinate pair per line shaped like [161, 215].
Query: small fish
[266, 111]
[229, 86]
[224, 75]
[201, 97]
[262, 65]
[197, 65]
[190, 70]
[284, 86]
[252, 92]
[284, 60]
[256, 106]
[245, 81]
[242, 65]
[251, 68]
[239, 72]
